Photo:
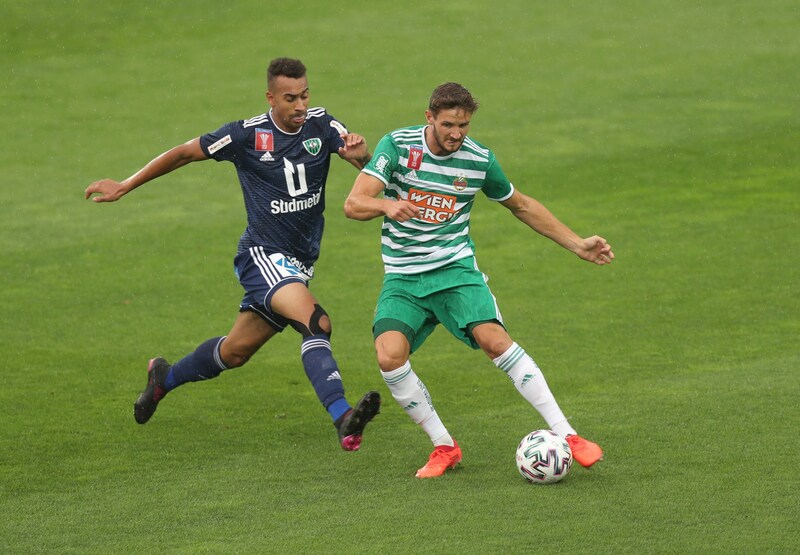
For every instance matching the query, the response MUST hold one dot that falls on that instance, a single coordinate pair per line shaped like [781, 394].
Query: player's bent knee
[319, 323]
[389, 363]
[392, 350]
[235, 361]
[493, 339]
[234, 356]
[495, 349]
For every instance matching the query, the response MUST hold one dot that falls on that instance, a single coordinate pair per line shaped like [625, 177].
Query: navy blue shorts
[261, 275]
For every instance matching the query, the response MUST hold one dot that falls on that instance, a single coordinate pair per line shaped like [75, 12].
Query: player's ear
[270, 99]
[429, 116]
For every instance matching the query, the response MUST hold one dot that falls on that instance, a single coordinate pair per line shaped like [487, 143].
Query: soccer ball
[543, 457]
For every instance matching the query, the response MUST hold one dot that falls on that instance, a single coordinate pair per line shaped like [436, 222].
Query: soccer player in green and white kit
[429, 175]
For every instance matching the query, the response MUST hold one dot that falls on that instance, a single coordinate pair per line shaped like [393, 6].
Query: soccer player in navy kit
[282, 160]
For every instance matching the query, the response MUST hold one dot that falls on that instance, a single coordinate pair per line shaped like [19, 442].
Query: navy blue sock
[323, 373]
[203, 364]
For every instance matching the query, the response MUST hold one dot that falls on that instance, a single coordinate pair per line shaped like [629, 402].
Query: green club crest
[312, 146]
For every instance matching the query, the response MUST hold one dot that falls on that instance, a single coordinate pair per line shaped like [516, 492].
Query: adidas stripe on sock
[409, 391]
[529, 381]
[323, 373]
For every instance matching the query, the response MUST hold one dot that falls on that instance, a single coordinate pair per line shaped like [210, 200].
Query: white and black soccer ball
[543, 457]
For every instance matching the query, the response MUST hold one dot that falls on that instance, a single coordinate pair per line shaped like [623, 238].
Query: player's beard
[448, 147]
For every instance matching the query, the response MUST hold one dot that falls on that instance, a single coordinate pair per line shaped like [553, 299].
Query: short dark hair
[452, 95]
[287, 67]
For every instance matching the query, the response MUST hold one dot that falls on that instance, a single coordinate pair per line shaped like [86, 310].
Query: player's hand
[596, 249]
[106, 190]
[355, 147]
[401, 210]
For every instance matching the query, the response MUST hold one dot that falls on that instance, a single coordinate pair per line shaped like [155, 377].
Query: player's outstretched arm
[355, 150]
[362, 202]
[534, 214]
[108, 190]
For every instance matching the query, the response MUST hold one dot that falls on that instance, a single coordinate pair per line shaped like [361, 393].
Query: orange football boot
[584, 451]
[443, 458]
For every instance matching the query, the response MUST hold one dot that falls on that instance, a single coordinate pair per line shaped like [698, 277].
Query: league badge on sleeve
[381, 163]
[339, 127]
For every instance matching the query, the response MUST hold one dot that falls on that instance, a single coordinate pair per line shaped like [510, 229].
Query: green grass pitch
[670, 128]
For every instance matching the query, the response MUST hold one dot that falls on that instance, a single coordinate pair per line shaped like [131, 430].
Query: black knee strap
[314, 326]
[315, 322]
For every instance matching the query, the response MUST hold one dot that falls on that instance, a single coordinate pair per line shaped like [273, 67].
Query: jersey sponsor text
[434, 207]
[294, 205]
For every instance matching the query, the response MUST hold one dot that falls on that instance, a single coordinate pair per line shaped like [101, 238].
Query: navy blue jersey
[283, 180]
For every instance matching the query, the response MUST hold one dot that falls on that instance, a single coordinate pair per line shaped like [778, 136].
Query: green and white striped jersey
[443, 187]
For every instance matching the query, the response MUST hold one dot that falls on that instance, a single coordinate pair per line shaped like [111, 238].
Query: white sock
[530, 382]
[409, 391]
